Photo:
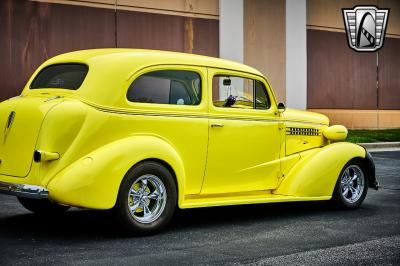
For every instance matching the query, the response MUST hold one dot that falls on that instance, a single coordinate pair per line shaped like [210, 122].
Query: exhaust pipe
[44, 156]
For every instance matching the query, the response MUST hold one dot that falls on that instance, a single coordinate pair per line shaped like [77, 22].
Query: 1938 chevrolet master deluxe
[144, 132]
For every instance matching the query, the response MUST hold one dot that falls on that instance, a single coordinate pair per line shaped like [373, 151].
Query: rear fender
[317, 171]
[93, 181]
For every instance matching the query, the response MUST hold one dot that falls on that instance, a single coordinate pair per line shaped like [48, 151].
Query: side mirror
[227, 82]
[281, 108]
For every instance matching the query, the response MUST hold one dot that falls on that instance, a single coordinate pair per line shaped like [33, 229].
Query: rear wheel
[147, 199]
[352, 185]
[42, 206]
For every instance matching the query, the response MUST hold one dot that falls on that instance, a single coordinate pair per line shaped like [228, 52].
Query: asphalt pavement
[309, 233]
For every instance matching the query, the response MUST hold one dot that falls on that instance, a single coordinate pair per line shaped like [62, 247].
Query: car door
[174, 101]
[244, 137]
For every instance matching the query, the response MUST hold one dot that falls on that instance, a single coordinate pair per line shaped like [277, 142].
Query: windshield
[61, 76]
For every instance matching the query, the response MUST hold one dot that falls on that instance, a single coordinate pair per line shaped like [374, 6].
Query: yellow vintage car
[145, 132]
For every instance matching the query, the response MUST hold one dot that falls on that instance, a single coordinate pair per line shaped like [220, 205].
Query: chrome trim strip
[201, 116]
[206, 115]
[53, 98]
[26, 191]
[188, 116]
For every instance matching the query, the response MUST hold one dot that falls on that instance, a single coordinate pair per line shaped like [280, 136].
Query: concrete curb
[381, 146]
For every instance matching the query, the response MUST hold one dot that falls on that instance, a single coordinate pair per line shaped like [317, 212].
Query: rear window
[61, 76]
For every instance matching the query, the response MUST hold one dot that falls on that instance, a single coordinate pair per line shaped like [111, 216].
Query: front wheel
[352, 185]
[146, 199]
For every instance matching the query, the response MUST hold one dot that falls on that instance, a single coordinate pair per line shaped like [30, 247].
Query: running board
[256, 197]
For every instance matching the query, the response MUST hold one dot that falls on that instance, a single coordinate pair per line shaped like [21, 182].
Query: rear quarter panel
[93, 181]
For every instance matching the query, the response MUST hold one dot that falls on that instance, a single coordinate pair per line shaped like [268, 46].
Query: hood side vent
[303, 131]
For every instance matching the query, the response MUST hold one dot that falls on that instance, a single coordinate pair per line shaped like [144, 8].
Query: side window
[236, 92]
[166, 87]
[261, 96]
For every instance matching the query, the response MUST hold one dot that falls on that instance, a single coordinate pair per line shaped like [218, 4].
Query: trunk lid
[21, 119]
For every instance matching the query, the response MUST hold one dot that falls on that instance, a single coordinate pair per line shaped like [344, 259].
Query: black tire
[125, 200]
[340, 198]
[42, 206]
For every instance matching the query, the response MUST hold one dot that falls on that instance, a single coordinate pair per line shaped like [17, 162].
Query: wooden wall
[328, 13]
[339, 77]
[188, 8]
[352, 88]
[33, 31]
[264, 41]
[167, 32]
[389, 75]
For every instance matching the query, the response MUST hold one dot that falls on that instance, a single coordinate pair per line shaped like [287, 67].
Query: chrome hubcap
[352, 183]
[147, 198]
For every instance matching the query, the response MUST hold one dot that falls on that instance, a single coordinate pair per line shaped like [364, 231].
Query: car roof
[144, 57]
[111, 68]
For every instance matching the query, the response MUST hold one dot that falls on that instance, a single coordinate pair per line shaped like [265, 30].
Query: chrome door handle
[217, 125]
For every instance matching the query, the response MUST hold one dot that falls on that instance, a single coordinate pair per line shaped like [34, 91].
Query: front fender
[93, 181]
[370, 165]
[317, 171]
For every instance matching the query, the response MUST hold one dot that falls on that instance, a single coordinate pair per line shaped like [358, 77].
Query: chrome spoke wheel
[352, 183]
[147, 198]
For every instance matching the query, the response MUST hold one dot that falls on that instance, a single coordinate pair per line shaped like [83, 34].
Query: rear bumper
[21, 190]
